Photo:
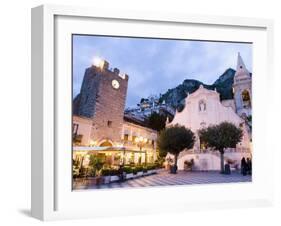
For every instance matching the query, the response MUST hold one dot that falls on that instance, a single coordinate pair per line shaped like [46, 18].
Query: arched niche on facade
[105, 143]
[202, 106]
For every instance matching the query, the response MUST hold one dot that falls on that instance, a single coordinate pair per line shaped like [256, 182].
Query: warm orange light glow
[93, 143]
[98, 62]
[141, 139]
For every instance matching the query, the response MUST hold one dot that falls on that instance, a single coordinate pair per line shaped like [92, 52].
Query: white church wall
[229, 103]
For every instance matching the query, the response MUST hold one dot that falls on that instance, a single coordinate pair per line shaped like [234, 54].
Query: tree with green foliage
[221, 136]
[95, 165]
[175, 139]
[157, 121]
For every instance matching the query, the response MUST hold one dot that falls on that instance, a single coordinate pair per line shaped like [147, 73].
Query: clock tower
[102, 98]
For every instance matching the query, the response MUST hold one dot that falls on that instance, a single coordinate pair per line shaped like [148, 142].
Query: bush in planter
[106, 172]
[128, 169]
[139, 168]
[113, 172]
[134, 170]
[151, 167]
[188, 164]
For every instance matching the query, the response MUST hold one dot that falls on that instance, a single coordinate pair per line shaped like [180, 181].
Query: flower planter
[145, 173]
[90, 181]
[94, 181]
[99, 180]
[114, 178]
[139, 174]
[158, 170]
[129, 176]
[106, 179]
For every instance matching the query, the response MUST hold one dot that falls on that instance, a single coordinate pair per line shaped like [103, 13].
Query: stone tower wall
[89, 90]
[102, 103]
[110, 106]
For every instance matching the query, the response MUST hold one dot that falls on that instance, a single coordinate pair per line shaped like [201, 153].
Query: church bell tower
[242, 89]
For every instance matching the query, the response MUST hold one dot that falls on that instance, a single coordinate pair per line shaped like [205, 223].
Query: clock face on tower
[115, 84]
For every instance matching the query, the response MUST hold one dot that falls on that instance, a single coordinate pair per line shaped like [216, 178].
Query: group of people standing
[246, 166]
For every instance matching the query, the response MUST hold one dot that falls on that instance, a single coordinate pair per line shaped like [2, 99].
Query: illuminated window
[126, 137]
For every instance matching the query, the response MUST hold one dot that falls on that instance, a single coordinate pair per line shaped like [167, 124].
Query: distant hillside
[223, 84]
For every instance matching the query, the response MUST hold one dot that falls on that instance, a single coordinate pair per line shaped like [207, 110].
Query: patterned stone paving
[164, 178]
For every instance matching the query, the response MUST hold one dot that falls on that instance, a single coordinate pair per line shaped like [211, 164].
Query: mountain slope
[223, 84]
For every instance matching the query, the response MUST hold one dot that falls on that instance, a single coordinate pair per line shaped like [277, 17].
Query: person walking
[249, 166]
[121, 173]
[243, 166]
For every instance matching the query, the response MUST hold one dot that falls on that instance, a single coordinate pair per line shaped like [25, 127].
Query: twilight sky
[156, 65]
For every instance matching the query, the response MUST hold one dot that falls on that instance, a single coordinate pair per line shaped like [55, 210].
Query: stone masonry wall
[102, 103]
[110, 105]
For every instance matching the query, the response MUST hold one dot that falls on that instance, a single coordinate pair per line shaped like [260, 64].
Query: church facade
[204, 108]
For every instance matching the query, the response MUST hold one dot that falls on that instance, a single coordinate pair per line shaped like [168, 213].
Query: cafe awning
[103, 149]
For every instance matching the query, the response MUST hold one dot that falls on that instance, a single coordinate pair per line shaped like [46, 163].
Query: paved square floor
[164, 178]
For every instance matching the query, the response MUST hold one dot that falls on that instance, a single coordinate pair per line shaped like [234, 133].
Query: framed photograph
[137, 112]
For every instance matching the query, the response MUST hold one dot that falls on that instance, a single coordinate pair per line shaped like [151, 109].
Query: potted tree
[175, 139]
[221, 136]
[95, 166]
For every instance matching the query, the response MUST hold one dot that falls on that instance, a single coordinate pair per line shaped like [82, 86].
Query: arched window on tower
[246, 99]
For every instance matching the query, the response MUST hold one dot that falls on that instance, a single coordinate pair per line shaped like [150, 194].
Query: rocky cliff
[223, 84]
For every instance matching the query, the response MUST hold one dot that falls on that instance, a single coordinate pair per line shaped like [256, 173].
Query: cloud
[156, 65]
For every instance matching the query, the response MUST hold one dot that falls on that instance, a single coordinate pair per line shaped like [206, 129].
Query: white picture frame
[50, 195]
